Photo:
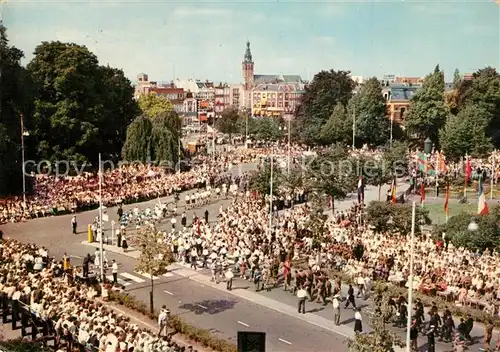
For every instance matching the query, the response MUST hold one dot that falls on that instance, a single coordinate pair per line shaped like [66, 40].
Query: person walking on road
[229, 279]
[73, 224]
[206, 216]
[183, 220]
[114, 270]
[350, 297]
[163, 320]
[358, 321]
[302, 295]
[336, 310]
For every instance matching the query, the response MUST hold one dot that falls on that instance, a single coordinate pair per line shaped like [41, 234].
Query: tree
[327, 89]
[15, 99]
[261, 180]
[428, 112]
[153, 105]
[466, 134]
[380, 338]
[137, 145]
[396, 159]
[457, 79]
[332, 174]
[376, 173]
[486, 236]
[483, 91]
[338, 128]
[155, 256]
[388, 217]
[81, 108]
[228, 122]
[368, 107]
[267, 128]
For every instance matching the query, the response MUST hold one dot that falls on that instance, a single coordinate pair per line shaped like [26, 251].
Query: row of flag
[429, 169]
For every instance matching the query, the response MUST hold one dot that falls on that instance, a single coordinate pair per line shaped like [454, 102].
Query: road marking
[120, 281]
[202, 307]
[242, 323]
[76, 256]
[133, 278]
[170, 293]
[168, 275]
[284, 341]
[148, 275]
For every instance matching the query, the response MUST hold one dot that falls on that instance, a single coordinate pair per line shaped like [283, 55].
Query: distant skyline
[206, 40]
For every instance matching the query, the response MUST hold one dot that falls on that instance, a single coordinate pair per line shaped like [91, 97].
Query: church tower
[247, 67]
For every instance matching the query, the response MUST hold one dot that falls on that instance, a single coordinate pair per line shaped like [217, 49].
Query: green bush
[486, 236]
[22, 345]
[202, 336]
[388, 217]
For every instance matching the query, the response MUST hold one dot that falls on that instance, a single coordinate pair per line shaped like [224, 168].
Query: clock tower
[247, 68]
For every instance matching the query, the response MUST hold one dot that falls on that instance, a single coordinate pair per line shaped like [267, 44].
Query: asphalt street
[202, 305]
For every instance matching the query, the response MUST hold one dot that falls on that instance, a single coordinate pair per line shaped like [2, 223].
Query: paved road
[204, 304]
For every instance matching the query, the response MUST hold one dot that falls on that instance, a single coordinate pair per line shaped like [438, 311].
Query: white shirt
[114, 268]
[357, 316]
[335, 303]
[301, 293]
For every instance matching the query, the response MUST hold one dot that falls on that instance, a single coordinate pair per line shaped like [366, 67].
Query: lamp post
[473, 226]
[390, 140]
[410, 279]
[23, 134]
[289, 149]
[354, 128]
[271, 193]
[100, 221]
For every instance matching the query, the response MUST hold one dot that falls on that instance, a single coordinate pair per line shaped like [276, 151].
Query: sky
[206, 39]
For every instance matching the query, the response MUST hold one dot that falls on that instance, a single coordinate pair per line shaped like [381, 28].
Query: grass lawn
[437, 215]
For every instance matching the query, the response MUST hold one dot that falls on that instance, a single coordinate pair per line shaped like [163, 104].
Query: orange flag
[447, 199]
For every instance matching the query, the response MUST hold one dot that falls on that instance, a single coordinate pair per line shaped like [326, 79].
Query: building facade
[276, 100]
[266, 95]
[398, 98]
[175, 95]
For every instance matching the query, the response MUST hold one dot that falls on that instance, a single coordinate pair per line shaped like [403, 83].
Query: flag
[199, 228]
[361, 190]
[424, 166]
[482, 206]
[447, 199]
[442, 164]
[468, 171]
[422, 192]
[393, 192]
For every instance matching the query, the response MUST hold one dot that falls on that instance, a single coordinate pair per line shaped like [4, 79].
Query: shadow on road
[209, 306]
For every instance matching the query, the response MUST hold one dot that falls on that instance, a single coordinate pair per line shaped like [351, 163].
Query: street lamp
[473, 226]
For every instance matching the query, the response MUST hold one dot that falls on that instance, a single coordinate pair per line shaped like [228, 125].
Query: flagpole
[101, 262]
[271, 194]
[437, 171]
[465, 178]
[492, 175]
[410, 280]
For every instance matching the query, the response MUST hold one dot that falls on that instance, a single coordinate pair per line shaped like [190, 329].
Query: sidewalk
[148, 324]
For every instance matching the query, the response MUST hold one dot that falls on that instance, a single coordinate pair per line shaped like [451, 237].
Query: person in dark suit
[206, 216]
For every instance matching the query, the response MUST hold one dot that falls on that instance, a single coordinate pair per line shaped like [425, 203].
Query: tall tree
[155, 106]
[228, 122]
[81, 109]
[428, 110]
[484, 91]
[155, 256]
[15, 100]
[368, 106]
[457, 79]
[268, 129]
[466, 133]
[137, 145]
[338, 128]
[327, 89]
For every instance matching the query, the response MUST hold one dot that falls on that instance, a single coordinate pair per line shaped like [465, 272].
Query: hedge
[461, 312]
[202, 336]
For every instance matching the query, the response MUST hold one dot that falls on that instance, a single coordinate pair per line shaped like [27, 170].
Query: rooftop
[258, 79]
